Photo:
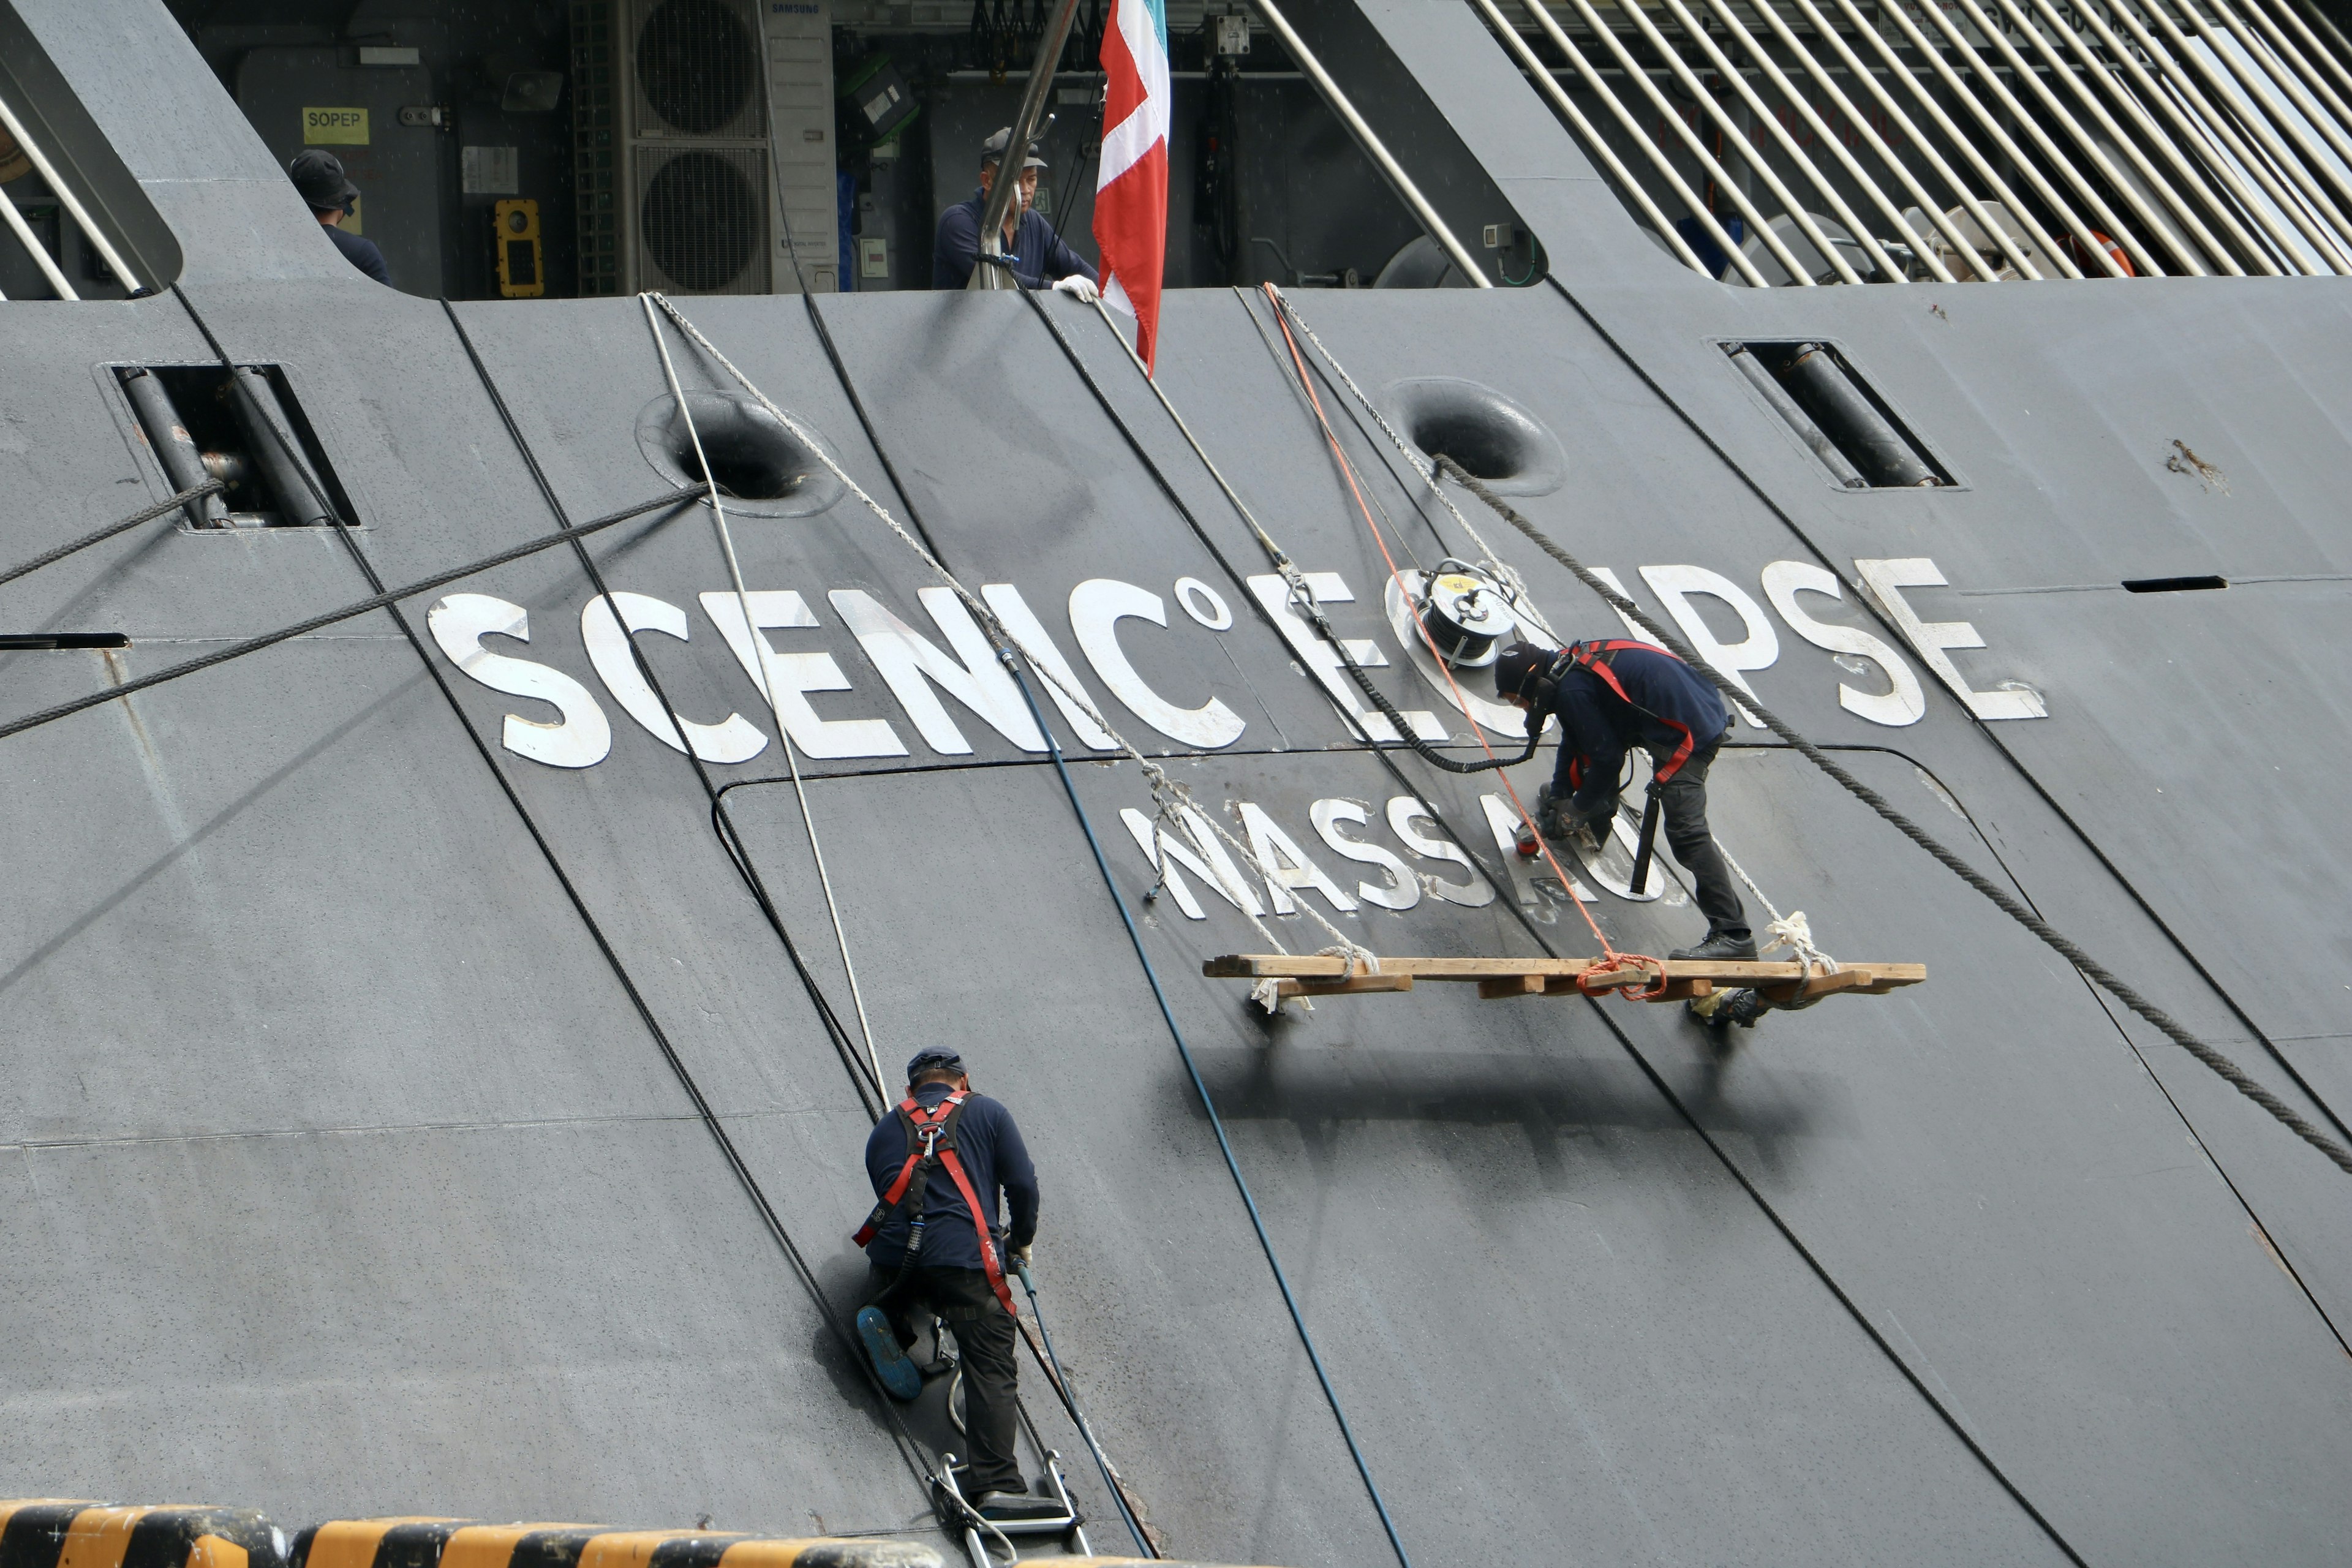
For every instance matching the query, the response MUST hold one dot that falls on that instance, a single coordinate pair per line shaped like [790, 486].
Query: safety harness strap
[931, 1137]
[1596, 657]
[995, 1270]
[928, 1133]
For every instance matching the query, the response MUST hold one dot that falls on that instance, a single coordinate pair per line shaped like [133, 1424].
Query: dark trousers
[1682, 800]
[984, 1335]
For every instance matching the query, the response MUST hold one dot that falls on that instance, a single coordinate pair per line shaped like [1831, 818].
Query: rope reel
[1466, 614]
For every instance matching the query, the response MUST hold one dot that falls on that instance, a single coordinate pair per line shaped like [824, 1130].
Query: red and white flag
[1131, 197]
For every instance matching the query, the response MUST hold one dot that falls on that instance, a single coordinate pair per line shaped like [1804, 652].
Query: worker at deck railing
[1037, 255]
[319, 177]
[938, 1161]
[1610, 697]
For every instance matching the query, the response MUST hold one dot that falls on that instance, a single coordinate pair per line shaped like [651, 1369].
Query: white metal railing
[61, 188]
[1847, 141]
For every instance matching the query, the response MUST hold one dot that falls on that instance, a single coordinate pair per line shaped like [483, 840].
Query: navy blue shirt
[1039, 257]
[361, 253]
[990, 1148]
[1666, 705]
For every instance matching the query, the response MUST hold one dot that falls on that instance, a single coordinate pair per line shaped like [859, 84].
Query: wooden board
[1779, 980]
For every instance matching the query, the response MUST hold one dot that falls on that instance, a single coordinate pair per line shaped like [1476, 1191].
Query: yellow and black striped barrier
[464, 1543]
[60, 1533]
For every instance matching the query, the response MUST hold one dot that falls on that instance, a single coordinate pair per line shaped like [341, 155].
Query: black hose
[2065, 946]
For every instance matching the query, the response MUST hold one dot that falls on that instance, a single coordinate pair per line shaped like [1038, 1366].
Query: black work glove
[1554, 819]
[1597, 823]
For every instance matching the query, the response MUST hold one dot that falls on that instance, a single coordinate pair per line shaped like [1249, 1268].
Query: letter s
[581, 739]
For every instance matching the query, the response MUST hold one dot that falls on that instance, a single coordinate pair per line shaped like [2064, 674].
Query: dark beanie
[1516, 667]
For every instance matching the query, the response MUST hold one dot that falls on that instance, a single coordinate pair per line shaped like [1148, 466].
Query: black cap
[993, 150]
[930, 1056]
[318, 175]
[1516, 667]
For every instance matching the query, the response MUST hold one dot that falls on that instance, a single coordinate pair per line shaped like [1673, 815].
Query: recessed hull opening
[1493, 436]
[760, 467]
[2173, 585]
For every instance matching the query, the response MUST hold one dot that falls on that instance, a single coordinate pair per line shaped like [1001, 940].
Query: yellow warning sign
[335, 128]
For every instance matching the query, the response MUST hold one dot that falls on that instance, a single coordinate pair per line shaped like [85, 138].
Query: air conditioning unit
[703, 146]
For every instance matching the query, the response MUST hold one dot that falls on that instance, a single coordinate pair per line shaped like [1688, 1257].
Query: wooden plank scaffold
[1782, 982]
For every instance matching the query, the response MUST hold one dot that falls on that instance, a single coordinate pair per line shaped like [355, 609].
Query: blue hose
[1216, 1123]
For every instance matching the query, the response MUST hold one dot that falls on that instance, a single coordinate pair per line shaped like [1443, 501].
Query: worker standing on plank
[938, 1161]
[1610, 697]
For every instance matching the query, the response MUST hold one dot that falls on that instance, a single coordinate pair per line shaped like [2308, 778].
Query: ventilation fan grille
[702, 219]
[695, 69]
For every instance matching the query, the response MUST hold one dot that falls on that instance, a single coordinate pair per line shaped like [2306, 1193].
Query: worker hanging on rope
[1609, 697]
[933, 1241]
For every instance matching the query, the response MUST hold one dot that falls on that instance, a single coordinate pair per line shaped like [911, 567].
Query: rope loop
[1617, 962]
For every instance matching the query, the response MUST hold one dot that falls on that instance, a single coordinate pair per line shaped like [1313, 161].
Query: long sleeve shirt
[988, 1146]
[1668, 710]
[1038, 254]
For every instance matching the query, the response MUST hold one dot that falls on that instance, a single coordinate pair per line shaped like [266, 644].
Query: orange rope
[1612, 960]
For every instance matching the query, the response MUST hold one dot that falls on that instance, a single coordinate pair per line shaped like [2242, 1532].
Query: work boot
[899, 1374]
[1011, 1507]
[1718, 947]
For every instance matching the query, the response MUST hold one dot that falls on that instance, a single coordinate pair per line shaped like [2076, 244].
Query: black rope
[910, 1450]
[303, 628]
[145, 514]
[1657, 1081]
[2065, 946]
[1128, 1504]
[1298, 595]
[721, 824]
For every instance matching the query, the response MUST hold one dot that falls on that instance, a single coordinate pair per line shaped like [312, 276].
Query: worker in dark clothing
[1610, 697]
[1039, 257]
[938, 1161]
[319, 177]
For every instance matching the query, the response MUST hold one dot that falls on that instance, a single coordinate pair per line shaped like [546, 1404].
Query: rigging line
[1356, 417]
[1300, 593]
[1504, 572]
[2054, 937]
[1172, 795]
[768, 690]
[723, 830]
[1610, 957]
[1793, 932]
[1508, 894]
[1381, 750]
[2032, 782]
[1216, 1123]
[1129, 1505]
[910, 1450]
[99, 536]
[361, 607]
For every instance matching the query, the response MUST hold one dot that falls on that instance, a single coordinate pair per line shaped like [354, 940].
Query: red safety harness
[1597, 656]
[932, 1139]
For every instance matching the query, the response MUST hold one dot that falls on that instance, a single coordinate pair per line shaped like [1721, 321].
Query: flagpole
[1007, 188]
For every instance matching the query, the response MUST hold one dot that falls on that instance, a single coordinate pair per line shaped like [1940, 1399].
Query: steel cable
[1216, 1122]
[2065, 946]
[1861, 1317]
[145, 514]
[361, 607]
[722, 824]
[910, 1451]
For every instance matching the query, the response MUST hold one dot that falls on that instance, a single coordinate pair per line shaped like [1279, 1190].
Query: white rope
[1514, 585]
[1168, 794]
[759, 668]
[1793, 932]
